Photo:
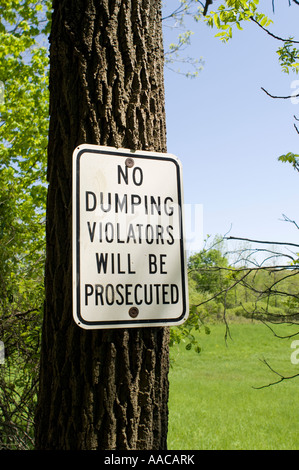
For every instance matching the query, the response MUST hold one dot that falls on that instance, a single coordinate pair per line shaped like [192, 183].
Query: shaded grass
[213, 404]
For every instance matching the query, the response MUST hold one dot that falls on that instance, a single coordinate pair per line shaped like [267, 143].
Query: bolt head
[129, 162]
[133, 312]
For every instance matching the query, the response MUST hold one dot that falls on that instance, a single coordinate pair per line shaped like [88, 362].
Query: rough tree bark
[99, 389]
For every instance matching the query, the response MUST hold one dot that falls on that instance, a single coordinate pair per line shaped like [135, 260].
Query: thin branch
[280, 97]
[273, 35]
[279, 336]
[287, 276]
[261, 241]
[224, 290]
[273, 254]
[271, 269]
[180, 9]
[282, 377]
[287, 219]
[227, 330]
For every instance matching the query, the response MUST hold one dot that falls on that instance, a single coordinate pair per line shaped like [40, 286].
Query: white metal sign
[129, 266]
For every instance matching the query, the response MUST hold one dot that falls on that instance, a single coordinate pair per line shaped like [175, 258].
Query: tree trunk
[99, 389]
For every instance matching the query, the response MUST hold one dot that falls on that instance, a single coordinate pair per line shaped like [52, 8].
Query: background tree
[23, 138]
[99, 389]
[199, 264]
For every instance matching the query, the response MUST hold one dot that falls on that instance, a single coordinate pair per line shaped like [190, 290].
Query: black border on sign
[135, 322]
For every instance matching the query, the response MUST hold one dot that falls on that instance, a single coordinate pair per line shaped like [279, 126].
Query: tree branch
[282, 377]
[261, 241]
[205, 10]
[273, 35]
[275, 334]
[280, 97]
[224, 290]
[287, 219]
[183, 8]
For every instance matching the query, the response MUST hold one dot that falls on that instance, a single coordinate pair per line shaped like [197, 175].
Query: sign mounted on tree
[129, 265]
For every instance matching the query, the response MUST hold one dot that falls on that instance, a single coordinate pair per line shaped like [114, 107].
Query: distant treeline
[217, 289]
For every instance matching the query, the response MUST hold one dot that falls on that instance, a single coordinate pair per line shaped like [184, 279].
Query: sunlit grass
[213, 403]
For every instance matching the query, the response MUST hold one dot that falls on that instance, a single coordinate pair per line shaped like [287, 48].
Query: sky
[228, 134]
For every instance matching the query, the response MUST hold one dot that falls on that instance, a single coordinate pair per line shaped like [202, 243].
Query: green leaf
[216, 20]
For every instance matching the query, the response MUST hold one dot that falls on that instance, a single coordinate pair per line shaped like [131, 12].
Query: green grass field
[213, 403]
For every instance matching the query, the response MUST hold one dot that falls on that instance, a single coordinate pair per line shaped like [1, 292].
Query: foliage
[220, 290]
[225, 291]
[23, 141]
[186, 333]
[290, 158]
[204, 269]
[174, 54]
[206, 282]
[233, 13]
[267, 294]
[288, 57]
[229, 15]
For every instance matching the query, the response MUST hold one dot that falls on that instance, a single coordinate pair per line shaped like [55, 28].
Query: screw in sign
[129, 265]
